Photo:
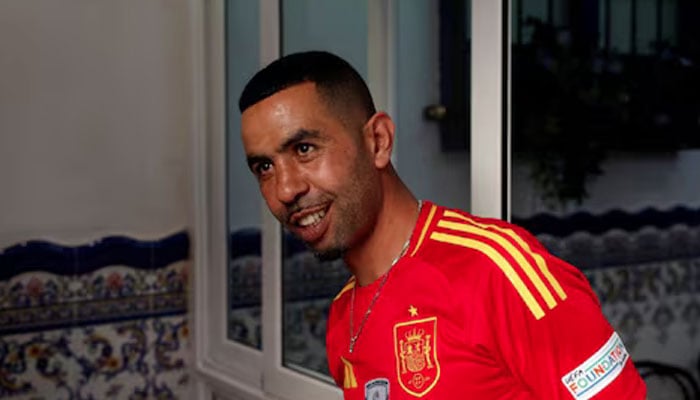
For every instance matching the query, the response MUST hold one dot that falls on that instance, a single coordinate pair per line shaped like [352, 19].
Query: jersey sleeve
[334, 337]
[332, 354]
[549, 330]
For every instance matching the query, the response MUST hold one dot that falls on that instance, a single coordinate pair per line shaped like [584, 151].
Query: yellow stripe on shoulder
[348, 286]
[500, 261]
[517, 255]
[541, 263]
[426, 225]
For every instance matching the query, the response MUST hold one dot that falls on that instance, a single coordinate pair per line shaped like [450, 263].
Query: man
[442, 304]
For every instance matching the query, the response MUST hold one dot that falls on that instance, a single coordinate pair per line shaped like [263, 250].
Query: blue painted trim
[615, 219]
[247, 242]
[45, 256]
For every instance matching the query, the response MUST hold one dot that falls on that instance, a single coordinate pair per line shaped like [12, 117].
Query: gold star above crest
[413, 311]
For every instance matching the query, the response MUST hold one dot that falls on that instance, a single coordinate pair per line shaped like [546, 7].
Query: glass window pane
[606, 165]
[243, 207]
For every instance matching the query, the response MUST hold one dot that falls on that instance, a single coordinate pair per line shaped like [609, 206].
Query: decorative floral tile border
[48, 286]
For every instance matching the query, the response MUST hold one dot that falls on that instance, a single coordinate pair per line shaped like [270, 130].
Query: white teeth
[312, 219]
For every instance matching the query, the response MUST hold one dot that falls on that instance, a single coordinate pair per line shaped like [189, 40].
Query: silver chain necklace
[353, 338]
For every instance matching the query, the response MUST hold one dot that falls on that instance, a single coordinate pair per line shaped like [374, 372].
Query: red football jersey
[478, 309]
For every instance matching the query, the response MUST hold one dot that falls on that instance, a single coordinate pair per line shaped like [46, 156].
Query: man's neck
[397, 217]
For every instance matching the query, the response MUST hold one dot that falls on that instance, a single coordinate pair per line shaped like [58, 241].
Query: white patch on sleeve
[377, 389]
[596, 373]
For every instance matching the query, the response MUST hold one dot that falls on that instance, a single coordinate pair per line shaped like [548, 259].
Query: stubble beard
[348, 224]
[337, 249]
[353, 217]
[353, 229]
[341, 235]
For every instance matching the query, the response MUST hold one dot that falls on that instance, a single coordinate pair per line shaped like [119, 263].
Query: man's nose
[291, 185]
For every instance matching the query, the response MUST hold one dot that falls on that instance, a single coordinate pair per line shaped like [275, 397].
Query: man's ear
[379, 135]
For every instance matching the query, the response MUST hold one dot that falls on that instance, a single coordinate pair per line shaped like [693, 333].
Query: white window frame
[230, 369]
[227, 367]
[490, 175]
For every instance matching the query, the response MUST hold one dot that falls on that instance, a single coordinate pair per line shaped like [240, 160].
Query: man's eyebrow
[298, 137]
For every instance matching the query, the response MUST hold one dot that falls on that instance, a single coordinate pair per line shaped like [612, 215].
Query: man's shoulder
[450, 235]
[480, 251]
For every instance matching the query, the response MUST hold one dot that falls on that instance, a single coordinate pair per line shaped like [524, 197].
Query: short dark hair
[336, 80]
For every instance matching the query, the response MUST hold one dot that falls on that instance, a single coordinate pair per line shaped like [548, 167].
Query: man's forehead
[284, 113]
[297, 100]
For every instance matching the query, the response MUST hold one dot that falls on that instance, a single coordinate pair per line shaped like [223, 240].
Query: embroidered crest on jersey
[377, 389]
[417, 364]
[594, 374]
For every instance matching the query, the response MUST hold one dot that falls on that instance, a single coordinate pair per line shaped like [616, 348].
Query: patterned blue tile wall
[105, 320]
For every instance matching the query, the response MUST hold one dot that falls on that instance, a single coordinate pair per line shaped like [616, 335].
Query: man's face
[316, 174]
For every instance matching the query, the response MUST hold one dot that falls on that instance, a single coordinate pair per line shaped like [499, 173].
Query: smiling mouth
[311, 224]
[311, 219]
[309, 216]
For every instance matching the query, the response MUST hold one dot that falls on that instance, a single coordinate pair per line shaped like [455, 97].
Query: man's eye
[304, 148]
[262, 167]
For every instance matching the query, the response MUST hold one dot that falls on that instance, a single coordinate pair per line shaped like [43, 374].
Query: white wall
[95, 118]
